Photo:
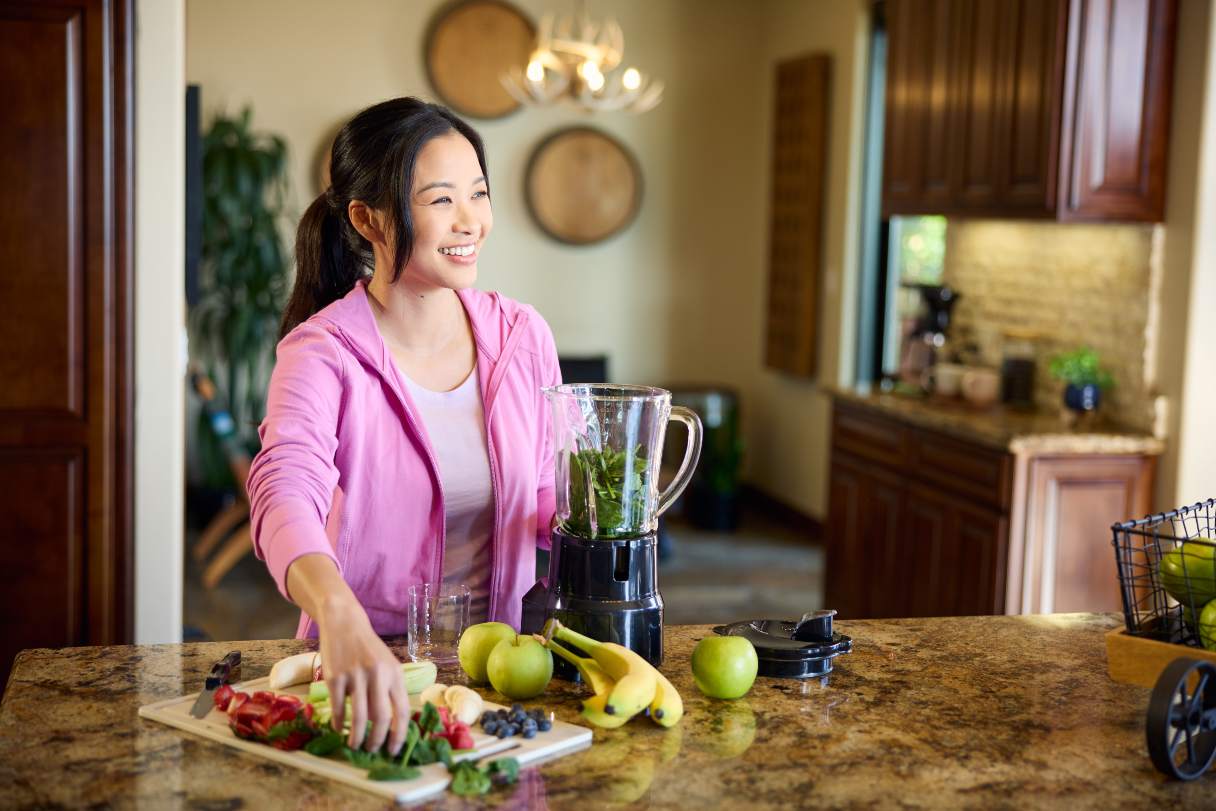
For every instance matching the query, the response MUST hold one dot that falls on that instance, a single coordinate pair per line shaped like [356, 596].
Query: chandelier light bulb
[596, 82]
[536, 71]
[632, 79]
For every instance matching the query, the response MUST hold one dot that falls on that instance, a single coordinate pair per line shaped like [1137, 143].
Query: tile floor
[764, 570]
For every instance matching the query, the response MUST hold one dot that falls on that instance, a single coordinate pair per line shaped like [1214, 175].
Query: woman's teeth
[464, 250]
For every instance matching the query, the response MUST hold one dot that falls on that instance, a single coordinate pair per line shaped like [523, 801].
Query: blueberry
[486, 716]
[513, 729]
[502, 715]
[501, 732]
[490, 727]
[517, 707]
[545, 725]
[537, 714]
[529, 732]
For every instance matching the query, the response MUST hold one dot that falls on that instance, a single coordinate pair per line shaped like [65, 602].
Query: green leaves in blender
[620, 497]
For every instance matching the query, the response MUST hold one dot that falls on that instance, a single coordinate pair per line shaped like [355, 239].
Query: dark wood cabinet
[926, 523]
[1028, 108]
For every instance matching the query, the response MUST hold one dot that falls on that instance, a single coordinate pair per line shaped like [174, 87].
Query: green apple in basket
[1188, 572]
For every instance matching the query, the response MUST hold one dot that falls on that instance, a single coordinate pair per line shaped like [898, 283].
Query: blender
[603, 562]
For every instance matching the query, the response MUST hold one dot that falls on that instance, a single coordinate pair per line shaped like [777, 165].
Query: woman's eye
[441, 200]
[482, 193]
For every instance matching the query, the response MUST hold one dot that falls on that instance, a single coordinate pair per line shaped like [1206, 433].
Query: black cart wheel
[1181, 726]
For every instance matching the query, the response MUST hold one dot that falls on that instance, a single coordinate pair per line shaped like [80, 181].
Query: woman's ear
[368, 222]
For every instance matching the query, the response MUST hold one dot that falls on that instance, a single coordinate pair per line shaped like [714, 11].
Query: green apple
[520, 667]
[1188, 572]
[724, 666]
[1207, 626]
[475, 645]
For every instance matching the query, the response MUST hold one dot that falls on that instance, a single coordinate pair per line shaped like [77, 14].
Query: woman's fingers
[401, 714]
[337, 700]
[358, 709]
[380, 707]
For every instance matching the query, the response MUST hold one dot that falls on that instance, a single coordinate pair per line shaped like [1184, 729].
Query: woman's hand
[357, 663]
[360, 666]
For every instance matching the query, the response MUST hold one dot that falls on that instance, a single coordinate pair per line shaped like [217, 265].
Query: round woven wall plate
[582, 186]
[470, 44]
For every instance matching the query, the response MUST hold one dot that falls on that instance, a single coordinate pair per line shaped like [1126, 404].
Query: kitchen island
[977, 712]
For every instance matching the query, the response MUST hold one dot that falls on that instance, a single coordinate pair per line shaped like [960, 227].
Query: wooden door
[982, 44]
[65, 324]
[956, 557]
[883, 542]
[1117, 109]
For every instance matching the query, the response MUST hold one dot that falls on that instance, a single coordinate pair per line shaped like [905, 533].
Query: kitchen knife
[224, 671]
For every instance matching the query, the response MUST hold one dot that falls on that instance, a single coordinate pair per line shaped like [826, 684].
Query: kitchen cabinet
[926, 522]
[1053, 109]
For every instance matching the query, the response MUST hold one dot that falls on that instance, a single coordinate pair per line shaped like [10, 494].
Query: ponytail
[326, 269]
[372, 160]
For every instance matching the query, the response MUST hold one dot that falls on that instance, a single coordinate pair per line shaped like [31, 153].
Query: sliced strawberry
[236, 702]
[263, 697]
[222, 696]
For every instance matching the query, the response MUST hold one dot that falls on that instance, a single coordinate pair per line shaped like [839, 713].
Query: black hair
[372, 161]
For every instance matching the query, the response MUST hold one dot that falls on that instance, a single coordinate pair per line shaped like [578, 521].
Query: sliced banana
[464, 703]
[433, 695]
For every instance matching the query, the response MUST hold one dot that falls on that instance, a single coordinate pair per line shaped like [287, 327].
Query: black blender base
[604, 589]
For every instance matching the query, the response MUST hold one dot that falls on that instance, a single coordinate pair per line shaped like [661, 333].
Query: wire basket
[1167, 574]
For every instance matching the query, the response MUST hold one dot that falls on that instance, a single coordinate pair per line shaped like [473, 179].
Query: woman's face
[450, 208]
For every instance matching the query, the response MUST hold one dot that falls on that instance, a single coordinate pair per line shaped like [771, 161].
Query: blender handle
[692, 453]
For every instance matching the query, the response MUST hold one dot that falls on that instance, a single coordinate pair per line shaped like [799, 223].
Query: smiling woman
[405, 439]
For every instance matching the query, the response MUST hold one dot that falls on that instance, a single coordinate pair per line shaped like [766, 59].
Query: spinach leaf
[325, 743]
[468, 780]
[429, 720]
[615, 481]
[504, 770]
[393, 771]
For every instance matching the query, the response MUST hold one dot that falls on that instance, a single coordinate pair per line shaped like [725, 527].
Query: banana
[667, 708]
[593, 711]
[593, 675]
[636, 679]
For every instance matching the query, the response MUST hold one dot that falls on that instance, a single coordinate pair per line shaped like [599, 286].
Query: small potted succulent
[1084, 377]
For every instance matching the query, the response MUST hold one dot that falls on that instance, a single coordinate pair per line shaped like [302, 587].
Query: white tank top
[456, 426]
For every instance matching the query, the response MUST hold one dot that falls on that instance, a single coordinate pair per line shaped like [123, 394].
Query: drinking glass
[439, 613]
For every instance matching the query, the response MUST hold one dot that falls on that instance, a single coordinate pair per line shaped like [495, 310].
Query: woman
[406, 437]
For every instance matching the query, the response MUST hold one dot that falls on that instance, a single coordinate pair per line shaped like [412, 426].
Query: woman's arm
[291, 486]
[356, 661]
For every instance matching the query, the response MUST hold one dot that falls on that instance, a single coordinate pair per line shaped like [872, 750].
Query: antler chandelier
[578, 61]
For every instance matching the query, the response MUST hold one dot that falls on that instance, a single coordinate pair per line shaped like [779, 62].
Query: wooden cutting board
[562, 739]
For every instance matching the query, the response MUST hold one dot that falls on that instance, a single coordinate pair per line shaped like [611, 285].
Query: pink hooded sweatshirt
[346, 468]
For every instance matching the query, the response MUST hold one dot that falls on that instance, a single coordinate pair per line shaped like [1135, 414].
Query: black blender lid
[792, 650]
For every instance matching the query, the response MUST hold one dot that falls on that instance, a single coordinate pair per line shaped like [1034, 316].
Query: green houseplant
[1084, 378]
[242, 277]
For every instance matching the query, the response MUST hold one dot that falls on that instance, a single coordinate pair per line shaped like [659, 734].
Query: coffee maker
[924, 333]
[603, 562]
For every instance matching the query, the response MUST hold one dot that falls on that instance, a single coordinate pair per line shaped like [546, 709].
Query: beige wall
[679, 296]
[791, 418]
[1187, 360]
[160, 313]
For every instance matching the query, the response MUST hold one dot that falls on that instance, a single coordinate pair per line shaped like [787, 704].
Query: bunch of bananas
[623, 682]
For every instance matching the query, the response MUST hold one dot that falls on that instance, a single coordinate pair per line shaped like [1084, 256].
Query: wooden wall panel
[796, 227]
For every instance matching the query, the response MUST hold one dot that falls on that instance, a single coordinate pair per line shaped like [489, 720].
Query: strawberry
[222, 696]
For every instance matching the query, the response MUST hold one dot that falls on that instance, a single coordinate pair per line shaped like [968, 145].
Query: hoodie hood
[499, 325]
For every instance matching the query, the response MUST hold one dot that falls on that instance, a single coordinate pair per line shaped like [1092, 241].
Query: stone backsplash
[1069, 284]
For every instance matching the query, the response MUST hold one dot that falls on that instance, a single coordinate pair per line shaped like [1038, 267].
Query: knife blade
[224, 671]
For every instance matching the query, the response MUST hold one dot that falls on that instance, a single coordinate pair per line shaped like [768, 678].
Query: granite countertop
[1020, 432]
[979, 712]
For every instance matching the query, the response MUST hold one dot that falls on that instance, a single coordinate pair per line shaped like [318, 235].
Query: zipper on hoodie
[496, 376]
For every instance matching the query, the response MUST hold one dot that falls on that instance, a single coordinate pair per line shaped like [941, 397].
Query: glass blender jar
[603, 561]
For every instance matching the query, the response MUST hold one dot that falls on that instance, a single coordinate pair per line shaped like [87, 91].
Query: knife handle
[225, 670]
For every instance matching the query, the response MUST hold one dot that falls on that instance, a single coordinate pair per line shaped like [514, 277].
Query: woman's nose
[466, 220]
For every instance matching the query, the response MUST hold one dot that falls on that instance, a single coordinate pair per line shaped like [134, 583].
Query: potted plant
[1084, 378]
[242, 280]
